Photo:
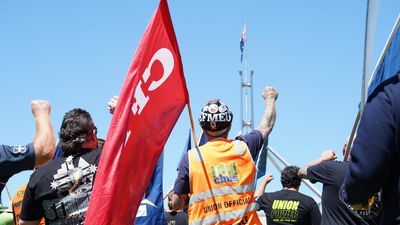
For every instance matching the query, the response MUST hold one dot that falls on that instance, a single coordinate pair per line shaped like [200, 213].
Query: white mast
[246, 99]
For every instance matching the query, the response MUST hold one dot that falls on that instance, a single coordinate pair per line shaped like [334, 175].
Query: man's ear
[91, 143]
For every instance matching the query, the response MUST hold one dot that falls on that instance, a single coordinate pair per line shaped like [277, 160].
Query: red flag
[152, 98]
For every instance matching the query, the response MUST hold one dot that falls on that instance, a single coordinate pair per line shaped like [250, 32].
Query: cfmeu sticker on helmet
[215, 116]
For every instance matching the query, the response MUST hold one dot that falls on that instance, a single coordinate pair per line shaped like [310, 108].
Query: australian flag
[242, 41]
[390, 65]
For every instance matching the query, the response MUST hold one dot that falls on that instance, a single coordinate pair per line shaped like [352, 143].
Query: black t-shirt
[60, 190]
[176, 218]
[289, 207]
[331, 175]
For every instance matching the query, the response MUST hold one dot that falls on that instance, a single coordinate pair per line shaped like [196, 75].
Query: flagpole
[194, 138]
[192, 123]
[246, 100]
[8, 192]
[377, 66]
[352, 135]
[370, 23]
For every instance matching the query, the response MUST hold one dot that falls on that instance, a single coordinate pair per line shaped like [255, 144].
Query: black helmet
[215, 116]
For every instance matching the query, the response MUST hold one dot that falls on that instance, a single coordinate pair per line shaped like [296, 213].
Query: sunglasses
[95, 130]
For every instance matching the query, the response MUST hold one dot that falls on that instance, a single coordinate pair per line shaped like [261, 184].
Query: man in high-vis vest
[219, 176]
[17, 204]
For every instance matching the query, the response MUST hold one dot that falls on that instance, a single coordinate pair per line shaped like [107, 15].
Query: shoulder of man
[94, 152]
[306, 197]
[327, 165]
[253, 140]
[327, 172]
[254, 134]
[45, 171]
[14, 159]
[275, 194]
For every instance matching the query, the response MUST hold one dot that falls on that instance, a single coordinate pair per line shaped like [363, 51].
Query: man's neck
[290, 189]
[215, 138]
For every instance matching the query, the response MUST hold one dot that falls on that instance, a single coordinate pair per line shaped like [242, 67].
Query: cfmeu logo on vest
[223, 173]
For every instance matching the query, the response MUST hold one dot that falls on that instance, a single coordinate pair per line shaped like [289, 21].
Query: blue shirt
[375, 156]
[253, 140]
[14, 159]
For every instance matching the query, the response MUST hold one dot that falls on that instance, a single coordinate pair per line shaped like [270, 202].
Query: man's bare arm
[44, 140]
[325, 156]
[261, 189]
[266, 125]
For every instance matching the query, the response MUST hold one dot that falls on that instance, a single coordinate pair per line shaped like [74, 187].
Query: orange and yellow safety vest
[222, 184]
[17, 204]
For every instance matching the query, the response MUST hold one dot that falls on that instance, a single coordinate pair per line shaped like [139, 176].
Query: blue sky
[76, 54]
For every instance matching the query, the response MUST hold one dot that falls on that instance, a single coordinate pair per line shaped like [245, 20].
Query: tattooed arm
[270, 95]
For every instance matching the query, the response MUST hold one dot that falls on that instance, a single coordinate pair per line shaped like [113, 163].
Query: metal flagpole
[370, 25]
[8, 192]
[246, 100]
[380, 61]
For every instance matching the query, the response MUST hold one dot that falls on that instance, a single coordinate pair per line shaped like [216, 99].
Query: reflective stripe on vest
[239, 148]
[224, 216]
[197, 154]
[220, 192]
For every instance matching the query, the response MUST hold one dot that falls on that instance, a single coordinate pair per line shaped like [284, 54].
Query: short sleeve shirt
[331, 175]
[287, 207]
[254, 141]
[60, 190]
[14, 159]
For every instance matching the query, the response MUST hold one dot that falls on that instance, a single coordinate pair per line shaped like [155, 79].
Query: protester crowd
[216, 181]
